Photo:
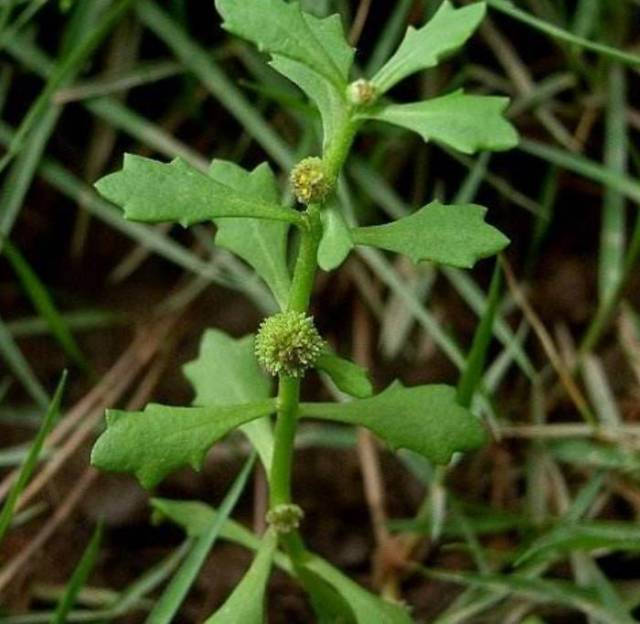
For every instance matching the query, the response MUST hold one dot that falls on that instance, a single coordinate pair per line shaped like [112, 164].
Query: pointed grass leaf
[152, 192]
[283, 29]
[246, 603]
[43, 302]
[590, 453]
[336, 242]
[542, 591]
[161, 439]
[366, 607]
[425, 47]
[467, 123]
[566, 539]
[455, 235]
[471, 378]
[166, 609]
[31, 460]
[195, 517]
[348, 376]
[78, 578]
[424, 419]
[260, 243]
[226, 373]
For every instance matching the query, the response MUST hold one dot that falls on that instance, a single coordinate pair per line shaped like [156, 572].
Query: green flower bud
[288, 344]
[310, 181]
[285, 518]
[362, 93]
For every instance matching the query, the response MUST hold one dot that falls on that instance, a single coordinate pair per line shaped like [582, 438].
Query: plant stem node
[310, 181]
[362, 93]
[285, 518]
[288, 344]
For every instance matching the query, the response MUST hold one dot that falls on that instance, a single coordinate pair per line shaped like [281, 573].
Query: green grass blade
[612, 233]
[32, 459]
[542, 591]
[390, 37]
[146, 236]
[474, 367]
[607, 309]
[81, 320]
[65, 69]
[21, 368]
[215, 80]
[78, 578]
[167, 607]
[20, 176]
[625, 185]
[383, 269]
[110, 110]
[586, 17]
[5, 13]
[43, 303]
[562, 35]
[44, 121]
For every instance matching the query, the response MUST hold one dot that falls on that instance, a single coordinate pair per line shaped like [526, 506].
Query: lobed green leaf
[226, 373]
[246, 603]
[468, 123]
[424, 419]
[161, 439]
[336, 242]
[260, 243]
[284, 30]
[348, 376]
[456, 235]
[425, 47]
[166, 608]
[366, 607]
[151, 191]
[329, 100]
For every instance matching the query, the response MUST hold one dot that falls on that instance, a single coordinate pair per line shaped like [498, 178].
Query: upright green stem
[289, 387]
[288, 398]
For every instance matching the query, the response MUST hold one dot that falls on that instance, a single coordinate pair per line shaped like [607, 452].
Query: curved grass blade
[199, 61]
[568, 538]
[542, 591]
[589, 169]
[20, 367]
[71, 63]
[562, 35]
[32, 458]
[474, 368]
[167, 607]
[43, 303]
[614, 220]
[79, 578]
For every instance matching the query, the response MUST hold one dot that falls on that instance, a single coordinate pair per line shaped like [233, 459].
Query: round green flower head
[288, 344]
[285, 518]
[310, 181]
[362, 93]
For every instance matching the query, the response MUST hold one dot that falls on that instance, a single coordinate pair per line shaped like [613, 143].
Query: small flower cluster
[285, 518]
[288, 344]
[362, 93]
[310, 181]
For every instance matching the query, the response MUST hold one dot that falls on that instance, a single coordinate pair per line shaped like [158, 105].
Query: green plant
[231, 389]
